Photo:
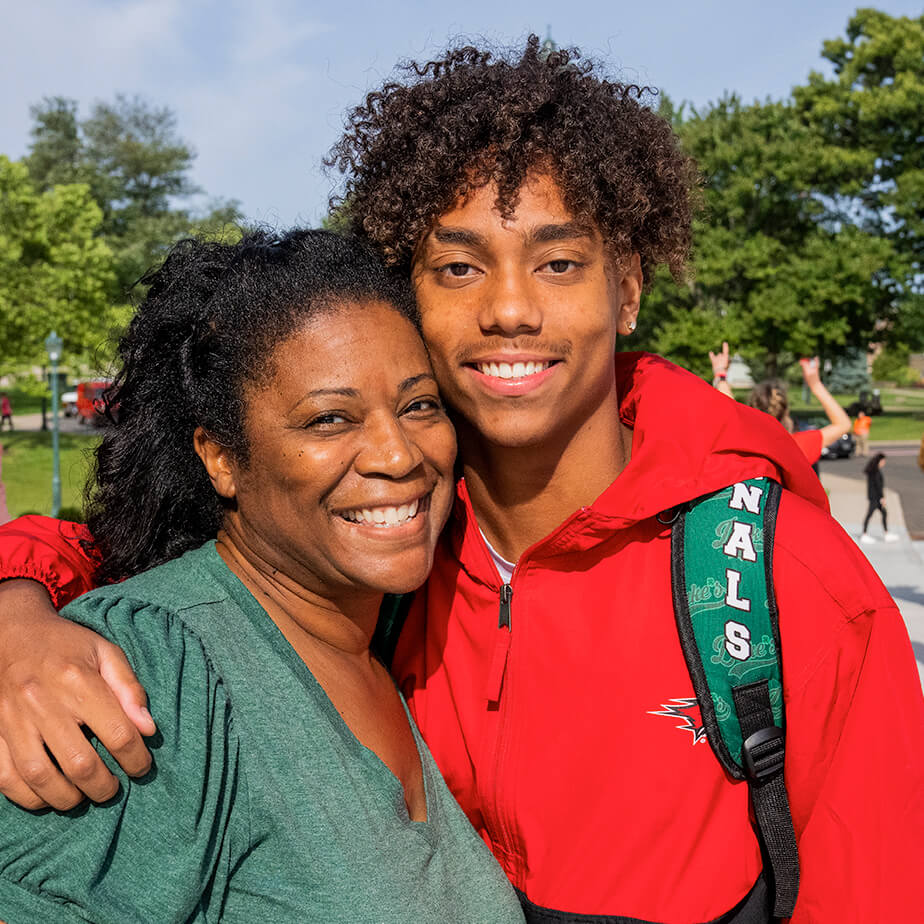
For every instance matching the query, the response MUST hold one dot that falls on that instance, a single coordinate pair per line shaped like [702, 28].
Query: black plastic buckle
[763, 754]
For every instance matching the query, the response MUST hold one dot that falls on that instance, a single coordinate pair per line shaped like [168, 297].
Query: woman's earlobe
[216, 458]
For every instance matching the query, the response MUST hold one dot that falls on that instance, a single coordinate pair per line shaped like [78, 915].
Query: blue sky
[259, 88]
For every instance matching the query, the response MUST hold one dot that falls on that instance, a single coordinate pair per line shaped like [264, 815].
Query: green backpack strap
[392, 614]
[722, 582]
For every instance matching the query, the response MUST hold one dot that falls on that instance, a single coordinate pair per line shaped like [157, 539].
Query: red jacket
[570, 740]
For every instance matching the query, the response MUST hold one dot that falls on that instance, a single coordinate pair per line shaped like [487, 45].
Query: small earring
[630, 325]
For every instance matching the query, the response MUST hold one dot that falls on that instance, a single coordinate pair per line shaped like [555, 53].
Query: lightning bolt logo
[687, 710]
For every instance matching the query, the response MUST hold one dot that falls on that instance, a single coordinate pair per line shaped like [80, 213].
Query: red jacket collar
[687, 440]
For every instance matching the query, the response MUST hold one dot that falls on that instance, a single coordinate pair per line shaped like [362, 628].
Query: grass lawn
[902, 417]
[894, 425]
[27, 470]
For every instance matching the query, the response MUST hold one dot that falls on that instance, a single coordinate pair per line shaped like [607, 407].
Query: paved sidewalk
[900, 564]
[32, 423]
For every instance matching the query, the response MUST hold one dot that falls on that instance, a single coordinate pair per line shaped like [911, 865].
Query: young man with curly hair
[531, 199]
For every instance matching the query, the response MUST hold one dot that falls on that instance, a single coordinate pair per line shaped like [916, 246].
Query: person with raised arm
[772, 398]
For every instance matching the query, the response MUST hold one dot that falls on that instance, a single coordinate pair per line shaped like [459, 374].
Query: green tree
[56, 153]
[892, 365]
[771, 274]
[870, 114]
[55, 272]
[137, 168]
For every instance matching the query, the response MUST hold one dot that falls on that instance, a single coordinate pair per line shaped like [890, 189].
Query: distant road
[901, 474]
[33, 423]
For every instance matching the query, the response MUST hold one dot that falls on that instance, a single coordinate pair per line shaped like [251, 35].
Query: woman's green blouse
[261, 804]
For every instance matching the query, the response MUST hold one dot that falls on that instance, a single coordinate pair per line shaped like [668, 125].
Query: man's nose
[509, 306]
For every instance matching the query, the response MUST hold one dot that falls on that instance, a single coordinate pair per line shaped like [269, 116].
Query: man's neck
[521, 494]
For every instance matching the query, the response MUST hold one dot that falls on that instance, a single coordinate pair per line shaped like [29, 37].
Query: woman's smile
[388, 515]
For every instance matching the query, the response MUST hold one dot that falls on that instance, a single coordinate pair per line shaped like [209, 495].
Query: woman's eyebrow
[409, 383]
[345, 392]
[322, 392]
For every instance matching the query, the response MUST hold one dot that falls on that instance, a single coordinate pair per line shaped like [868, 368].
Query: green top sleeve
[163, 847]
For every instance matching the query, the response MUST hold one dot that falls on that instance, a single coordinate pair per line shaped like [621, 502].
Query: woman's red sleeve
[55, 553]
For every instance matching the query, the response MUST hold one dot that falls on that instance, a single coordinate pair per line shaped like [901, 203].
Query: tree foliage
[55, 272]
[870, 116]
[812, 238]
[771, 274]
[137, 168]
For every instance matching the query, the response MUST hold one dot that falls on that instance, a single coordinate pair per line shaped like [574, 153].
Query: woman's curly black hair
[419, 143]
[204, 334]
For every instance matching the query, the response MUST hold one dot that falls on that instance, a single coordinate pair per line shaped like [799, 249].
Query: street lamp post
[53, 344]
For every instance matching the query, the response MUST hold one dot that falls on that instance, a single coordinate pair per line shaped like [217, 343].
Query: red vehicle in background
[89, 402]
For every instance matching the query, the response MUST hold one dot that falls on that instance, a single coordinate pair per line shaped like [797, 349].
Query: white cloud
[240, 76]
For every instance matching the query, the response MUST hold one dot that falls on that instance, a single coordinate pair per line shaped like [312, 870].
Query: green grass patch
[894, 425]
[902, 417]
[27, 465]
[906, 399]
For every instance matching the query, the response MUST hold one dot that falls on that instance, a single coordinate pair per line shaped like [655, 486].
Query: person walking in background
[6, 411]
[861, 431]
[772, 398]
[875, 492]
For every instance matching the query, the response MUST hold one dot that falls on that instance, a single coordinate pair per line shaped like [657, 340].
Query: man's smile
[512, 376]
[512, 370]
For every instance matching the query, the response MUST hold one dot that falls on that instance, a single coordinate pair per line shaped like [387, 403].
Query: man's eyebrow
[549, 234]
[544, 234]
[458, 236]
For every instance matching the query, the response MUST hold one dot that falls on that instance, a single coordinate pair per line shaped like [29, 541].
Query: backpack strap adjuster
[763, 754]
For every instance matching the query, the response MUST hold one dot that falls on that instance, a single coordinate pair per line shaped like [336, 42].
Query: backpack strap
[392, 614]
[724, 604]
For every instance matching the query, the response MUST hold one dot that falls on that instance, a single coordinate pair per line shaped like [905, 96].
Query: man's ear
[217, 461]
[630, 295]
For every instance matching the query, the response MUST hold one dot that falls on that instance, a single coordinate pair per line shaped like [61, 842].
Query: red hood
[687, 440]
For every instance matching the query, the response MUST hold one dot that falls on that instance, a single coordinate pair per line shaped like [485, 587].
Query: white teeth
[512, 371]
[383, 516]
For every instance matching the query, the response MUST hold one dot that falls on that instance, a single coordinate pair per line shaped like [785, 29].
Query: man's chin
[509, 433]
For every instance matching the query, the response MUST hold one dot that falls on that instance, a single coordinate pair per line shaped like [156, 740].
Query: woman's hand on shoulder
[59, 680]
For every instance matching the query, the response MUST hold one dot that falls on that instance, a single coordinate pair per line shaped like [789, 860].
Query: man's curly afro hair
[419, 143]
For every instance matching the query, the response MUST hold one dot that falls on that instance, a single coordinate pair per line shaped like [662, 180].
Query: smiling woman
[280, 460]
